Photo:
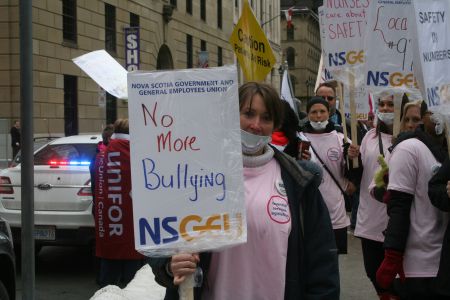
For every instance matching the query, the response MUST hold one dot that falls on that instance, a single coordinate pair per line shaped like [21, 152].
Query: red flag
[288, 14]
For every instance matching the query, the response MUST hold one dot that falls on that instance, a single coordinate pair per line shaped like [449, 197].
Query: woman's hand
[182, 265]
[353, 151]
[305, 155]
[351, 188]
[448, 189]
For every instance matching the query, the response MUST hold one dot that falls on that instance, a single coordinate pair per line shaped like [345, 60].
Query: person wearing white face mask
[290, 251]
[327, 150]
[372, 217]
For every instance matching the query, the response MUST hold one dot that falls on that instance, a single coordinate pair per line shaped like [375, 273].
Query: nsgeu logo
[189, 228]
[396, 79]
[342, 58]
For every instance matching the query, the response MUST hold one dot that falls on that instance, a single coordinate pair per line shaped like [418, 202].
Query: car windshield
[68, 153]
[38, 143]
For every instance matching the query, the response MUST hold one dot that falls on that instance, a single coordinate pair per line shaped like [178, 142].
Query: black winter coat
[312, 270]
[438, 195]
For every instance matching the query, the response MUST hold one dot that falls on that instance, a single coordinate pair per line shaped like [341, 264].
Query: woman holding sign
[290, 251]
[372, 217]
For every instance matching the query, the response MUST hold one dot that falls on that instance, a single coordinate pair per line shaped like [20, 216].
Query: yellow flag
[251, 47]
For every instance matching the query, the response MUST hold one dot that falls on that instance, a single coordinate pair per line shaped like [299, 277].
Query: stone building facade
[301, 45]
[172, 34]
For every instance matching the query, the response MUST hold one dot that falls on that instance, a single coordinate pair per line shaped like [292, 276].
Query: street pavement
[68, 273]
[354, 282]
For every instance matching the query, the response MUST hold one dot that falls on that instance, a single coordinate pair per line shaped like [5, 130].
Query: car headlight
[5, 229]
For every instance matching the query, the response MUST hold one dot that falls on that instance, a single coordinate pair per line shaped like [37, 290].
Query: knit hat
[317, 100]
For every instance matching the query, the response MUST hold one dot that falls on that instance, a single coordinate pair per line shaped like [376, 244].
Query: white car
[62, 192]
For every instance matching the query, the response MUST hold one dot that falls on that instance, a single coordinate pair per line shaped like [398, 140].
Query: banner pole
[353, 115]
[397, 113]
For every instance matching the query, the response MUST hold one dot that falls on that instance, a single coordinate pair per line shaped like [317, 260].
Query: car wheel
[3, 292]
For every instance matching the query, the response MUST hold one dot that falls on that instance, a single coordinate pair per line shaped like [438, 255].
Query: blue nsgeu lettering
[189, 228]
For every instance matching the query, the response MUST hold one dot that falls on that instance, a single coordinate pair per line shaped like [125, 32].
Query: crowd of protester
[397, 202]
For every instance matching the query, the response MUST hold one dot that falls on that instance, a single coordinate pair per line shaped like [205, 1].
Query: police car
[62, 193]
[7, 263]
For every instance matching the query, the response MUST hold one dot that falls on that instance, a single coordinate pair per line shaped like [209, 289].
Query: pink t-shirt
[372, 217]
[256, 270]
[411, 166]
[329, 147]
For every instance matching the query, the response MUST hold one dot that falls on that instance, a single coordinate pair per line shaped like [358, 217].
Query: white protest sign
[361, 100]
[342, 29]
[105, 71]
[324, 72]
[389, 42]
[186, 160]
[432, 57]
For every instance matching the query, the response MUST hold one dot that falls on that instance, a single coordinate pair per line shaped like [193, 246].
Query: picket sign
[353, 115]
[431, 62]
[340, 92]
[187, 172]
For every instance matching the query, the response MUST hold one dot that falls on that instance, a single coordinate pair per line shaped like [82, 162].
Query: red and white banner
[113, 210]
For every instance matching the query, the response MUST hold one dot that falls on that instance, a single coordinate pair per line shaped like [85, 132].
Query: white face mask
[386, 118]
[252, 143]
[319, 125]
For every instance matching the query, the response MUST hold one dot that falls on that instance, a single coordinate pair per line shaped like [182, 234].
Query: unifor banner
[186, 160]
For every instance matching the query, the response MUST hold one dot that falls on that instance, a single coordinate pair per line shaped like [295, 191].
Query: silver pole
[27, 173]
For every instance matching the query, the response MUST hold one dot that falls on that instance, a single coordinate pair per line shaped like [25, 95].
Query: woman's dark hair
[269, 95]
[290, 127]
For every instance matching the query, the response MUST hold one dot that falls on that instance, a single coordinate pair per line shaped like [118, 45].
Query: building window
[189, 52]
[290, 57]
[70, 105]
[219, 56]
[111, 108]
[290, 33]
[110, 27]
[189, 6]
[134, 20]
[202, 45]
[70, 20]
[219, 14]
[173, 3]
[236, 4]
[203, 10]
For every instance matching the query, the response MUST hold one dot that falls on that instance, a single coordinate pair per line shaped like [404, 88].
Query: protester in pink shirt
[327, 147]
[372, 217]
[290, 251]
[415, 231]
